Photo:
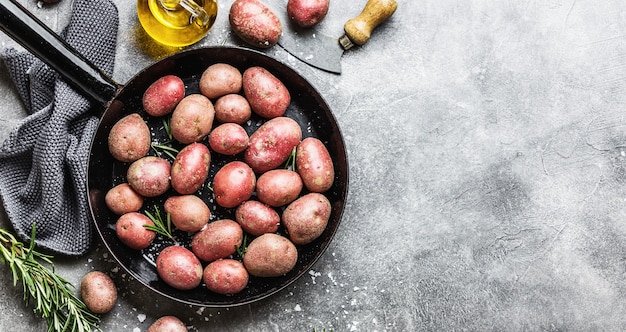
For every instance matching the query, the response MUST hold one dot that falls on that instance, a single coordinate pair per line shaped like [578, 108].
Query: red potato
[179, 267]
[257, 218]
[220, 79]
[188, 213]
[168, 324]
[162, 96]
[192, 119]
[233, 184]
[131, 231]
[122, 199]
[314, 164]
[129, 138]
[270, 255]
[272, 143]
[232, 108]
[229, 139]
[190, 169]
[98, 292]
[307, 13]
[149, 176]
[306, 218]
[278, 187]
[219, 239]
[225, 276]
[267, 95]
[255, 23]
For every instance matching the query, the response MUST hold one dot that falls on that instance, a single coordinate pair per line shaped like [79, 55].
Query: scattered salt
[297, 308]
[141, 317]
[136, 329]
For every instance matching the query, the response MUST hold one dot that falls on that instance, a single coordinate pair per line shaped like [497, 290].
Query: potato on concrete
[307, 13]
[98, 292]
[168, 324]
[255, 23]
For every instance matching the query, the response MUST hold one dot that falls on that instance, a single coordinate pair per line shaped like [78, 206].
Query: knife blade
[322, 51]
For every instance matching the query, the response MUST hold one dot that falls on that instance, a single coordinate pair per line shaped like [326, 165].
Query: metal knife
[324, 52]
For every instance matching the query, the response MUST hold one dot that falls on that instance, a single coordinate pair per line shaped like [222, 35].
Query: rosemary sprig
[53, 296]
[241, 250]
[291, 161]
[166, 147]
[160, 226]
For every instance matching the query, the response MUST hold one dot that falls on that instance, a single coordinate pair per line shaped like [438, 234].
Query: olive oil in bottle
[177, 22]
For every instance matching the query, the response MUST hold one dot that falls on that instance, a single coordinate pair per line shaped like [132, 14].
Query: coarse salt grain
[141, 317]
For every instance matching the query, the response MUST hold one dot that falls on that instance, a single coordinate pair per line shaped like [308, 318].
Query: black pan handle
[41, 41]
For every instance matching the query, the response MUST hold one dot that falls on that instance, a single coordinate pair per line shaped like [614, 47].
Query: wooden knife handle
[359, 29]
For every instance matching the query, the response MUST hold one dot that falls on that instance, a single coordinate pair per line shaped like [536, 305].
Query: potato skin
[278, 187]
[225, 276]
[255, 23]
[220, 79]
[190, 169]
[162, 96]
[131, 231]
[229, 139]
[192, 119]
[168, 324]
[267, 95]
[257, 218]
[232, 108]
[306, 218]
[98, 292]
[307, 13]
[122, 199]
[179, 268]
[218, 240]
[314, 164]
[129, 138]
[233, 184]
[272, 143]
[270, 255]
[189, 213]
[149, 176]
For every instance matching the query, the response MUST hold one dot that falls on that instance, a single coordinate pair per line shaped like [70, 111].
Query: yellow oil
[170, 23]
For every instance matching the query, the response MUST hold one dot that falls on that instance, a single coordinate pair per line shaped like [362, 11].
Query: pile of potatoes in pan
[276, 179]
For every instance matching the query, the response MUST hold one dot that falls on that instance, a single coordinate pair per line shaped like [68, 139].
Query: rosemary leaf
[53, 296]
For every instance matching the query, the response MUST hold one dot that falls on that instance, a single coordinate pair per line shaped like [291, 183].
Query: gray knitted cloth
[44, 160]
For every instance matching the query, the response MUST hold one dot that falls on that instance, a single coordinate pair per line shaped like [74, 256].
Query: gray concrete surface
[487, 148]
